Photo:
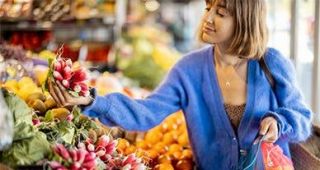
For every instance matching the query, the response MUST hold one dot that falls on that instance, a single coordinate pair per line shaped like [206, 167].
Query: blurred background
[142, 39]
[126, 46]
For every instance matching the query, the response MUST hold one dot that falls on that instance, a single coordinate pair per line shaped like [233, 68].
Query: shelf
[14, 25]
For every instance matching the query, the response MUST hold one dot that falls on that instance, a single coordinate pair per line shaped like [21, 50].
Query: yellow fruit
[36, 95]
[38, 105]
[50, 103]
[26, 91]
[60, 113]
[11, 85]
[24, 81]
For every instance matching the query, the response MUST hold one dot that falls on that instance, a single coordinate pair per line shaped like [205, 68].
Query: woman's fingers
[53, 93]
[269, 129]
[272, 134]
[65, 93]
[59, 94]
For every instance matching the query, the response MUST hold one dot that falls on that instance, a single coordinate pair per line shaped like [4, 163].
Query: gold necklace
[227, 83]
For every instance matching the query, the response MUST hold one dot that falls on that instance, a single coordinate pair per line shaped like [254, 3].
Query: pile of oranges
[165, 147]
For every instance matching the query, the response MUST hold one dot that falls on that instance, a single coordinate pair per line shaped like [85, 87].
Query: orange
[164, 166]
[164, 159]
[175, 148]
[129, 150]
[184, 165]
[153, 137]
[122, 144]
[183, 139]
[186, 154]
[142, 145]
[152, 154]
[168, 138]
[160, 147]
[177, 155]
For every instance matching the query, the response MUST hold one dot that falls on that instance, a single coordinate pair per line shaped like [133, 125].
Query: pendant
[228, 84]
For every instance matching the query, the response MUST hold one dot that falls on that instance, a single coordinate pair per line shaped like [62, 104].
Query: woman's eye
[221, 13]
[207, 9]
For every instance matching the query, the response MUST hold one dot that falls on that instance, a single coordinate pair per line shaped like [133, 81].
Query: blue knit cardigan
[192, 86]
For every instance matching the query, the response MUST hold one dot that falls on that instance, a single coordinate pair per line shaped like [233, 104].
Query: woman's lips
[208, 29]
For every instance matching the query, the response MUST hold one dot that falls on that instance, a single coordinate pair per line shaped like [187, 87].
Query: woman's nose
[210, 16]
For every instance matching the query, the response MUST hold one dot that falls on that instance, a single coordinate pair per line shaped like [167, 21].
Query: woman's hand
[62, 96]
[269, 128]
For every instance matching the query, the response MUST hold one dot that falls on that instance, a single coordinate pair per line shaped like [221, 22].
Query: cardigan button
[234, 139]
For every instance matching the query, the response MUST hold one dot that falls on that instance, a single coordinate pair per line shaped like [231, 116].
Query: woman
[224, 94]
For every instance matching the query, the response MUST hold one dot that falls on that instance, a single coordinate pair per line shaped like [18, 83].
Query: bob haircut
[250, 35]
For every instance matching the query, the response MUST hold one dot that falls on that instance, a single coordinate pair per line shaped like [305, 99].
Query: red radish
[73, 154]
[57, 76]
[90, 147]
[75, 166]
[71, 80]
[79, 75]
[62, 151]
[57, 66]
[81, 155]
[69, 117]
[65, 83]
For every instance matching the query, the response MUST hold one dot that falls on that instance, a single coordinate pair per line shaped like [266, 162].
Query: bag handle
[266, 71]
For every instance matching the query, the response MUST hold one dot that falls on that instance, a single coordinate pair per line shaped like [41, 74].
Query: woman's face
[218, 24]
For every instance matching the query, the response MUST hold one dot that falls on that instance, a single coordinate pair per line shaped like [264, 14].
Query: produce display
[163, 147]
[60, 138]
[144, 56]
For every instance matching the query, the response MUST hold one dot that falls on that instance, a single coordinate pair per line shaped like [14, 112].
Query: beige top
[235, 113]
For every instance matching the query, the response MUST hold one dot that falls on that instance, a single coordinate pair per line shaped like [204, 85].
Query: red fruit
[57, 76]
[75, 166]
[57, 66]
[69, 117]
[89, 165]
[100, 151]
[62, 151]
[90, 147]
[81, 155]
[65, 83]
[79, 75]
[35, 122]
[129, 159]
[103, 141]
[73, 154]
[55, 165]
[67, 73]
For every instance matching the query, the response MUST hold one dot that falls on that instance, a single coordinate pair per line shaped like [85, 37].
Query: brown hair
[250, 35]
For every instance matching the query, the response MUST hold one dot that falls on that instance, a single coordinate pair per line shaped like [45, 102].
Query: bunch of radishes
[74, 159]
[73, 80]
[105, 149]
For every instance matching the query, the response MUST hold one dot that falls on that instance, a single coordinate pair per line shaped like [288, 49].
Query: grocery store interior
[125, 46]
